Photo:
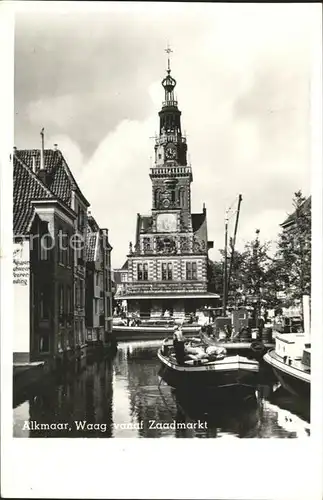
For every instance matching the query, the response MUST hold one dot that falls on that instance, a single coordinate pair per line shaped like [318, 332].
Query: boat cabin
[306, 359]
[290, 345]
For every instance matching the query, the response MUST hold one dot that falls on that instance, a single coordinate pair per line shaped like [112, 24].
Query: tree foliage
[293, 256]
[255, 273]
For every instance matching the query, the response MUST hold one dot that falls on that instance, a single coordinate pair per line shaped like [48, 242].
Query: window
[69, 299]
[191, 270]
[181, 197]
[68, 251]
[45, 245]
[60, 246]
[167, 271]
[65, 246]
[139, 272]
[80, 219]
[108, 303]
[82, 293]
[44, 343]
[157, 195]
[44, 303]
[77, 293]
[142, 272]
[194, 270]
[61, 299]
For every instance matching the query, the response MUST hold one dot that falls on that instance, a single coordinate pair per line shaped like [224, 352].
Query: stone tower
[167, 267]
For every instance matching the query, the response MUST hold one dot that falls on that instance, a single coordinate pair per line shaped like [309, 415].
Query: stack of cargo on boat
[204, 366]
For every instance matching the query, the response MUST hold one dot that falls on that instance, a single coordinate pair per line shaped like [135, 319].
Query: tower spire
[169, 51]
[169, 82]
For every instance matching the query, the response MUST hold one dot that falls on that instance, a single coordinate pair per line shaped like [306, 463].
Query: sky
[91, 74]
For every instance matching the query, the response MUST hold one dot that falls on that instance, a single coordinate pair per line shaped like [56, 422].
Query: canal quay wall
[26, 376]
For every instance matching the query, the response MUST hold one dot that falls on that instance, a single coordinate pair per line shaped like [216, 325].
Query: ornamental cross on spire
[168, 51]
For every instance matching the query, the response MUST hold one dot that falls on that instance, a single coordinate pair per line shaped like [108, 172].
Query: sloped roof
[303, 208]
[26, 187]
[125, 266]
[60, 178]
[93, 225]
[198, 220]
[90, 247]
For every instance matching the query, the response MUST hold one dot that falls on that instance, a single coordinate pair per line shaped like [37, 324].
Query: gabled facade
[98, 299]
[290, 222]
[120, 277]
[51, 168]
[43, 270]
[167, 265]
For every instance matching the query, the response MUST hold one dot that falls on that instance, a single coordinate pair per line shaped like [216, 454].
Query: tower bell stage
[167, 265]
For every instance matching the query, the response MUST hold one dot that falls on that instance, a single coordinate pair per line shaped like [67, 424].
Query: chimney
[42, 163]
[42, 176]
[34, 163]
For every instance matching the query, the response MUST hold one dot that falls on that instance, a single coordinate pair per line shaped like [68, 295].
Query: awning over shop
[170, 296]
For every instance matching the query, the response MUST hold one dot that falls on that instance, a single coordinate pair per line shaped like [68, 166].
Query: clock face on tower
[170, 153]
[166, 223]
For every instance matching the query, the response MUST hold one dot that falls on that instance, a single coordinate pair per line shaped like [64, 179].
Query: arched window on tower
[157, 197]
[182, 197]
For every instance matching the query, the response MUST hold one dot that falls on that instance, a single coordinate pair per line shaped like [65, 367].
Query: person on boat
[179, 345]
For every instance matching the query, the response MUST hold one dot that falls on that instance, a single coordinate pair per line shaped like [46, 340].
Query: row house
[50, 245]
[52, 169]
[98, 299]
[120, 278]
[42, 269]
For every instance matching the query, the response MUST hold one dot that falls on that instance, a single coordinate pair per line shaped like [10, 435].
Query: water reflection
[125, 397]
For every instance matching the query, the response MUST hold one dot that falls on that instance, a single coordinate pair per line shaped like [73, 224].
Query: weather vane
[168, 51]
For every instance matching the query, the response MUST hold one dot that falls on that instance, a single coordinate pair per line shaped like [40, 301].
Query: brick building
[51, 168]
[42, 271]
[167, 266]
[98, 297]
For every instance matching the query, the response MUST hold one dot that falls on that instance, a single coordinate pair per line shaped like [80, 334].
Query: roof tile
[26, 187]
[90, 246]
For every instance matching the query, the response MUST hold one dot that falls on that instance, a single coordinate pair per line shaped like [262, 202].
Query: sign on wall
[21, 282]
[21, 264]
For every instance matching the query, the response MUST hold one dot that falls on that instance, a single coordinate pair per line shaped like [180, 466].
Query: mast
[225, 277]
[233, 246]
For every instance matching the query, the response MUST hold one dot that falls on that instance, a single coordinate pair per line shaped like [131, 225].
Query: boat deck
[296, 363]
[227, 363]
[296, 368]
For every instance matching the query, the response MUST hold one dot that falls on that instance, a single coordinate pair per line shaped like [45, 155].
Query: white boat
[291, 358]
[291, 362]
[150, 329]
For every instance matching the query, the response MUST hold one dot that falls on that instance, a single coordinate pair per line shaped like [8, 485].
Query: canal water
[125, 397]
